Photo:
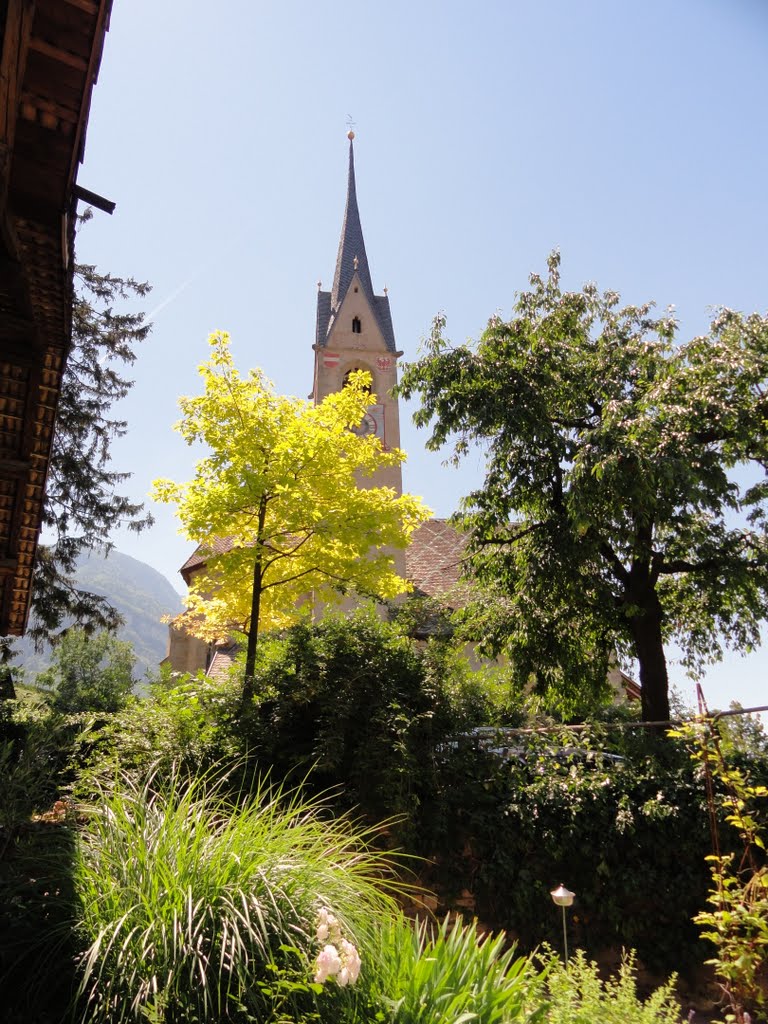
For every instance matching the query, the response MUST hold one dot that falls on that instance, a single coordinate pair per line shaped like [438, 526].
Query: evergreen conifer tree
[83, 505]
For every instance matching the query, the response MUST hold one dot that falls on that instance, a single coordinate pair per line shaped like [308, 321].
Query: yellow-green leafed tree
[280, 486]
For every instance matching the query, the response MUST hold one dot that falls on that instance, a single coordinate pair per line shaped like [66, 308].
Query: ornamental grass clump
[191, 904]
[454, 974]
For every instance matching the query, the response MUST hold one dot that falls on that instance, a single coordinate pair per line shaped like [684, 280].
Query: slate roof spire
[351, 256]
[352, 259]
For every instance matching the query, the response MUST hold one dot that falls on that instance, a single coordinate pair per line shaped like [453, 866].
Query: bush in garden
[365, 707]
[36, 749]
[195, 908]
[356, 705]
[185, 725]
[352, 699]
[37, 904]
[36, 900]
[577, 995]
[737, 922]
[89, 672]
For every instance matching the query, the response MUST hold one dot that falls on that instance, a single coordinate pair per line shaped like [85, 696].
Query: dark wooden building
[51, 50]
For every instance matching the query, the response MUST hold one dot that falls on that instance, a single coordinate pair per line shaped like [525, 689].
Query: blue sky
[630, 135]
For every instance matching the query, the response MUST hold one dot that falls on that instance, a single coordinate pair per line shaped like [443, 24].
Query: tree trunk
[253, 636]
[253, 631]
[649, 648]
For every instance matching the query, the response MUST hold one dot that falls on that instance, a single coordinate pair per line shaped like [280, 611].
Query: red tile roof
[434, 558]
[222, 661]
[198, 557]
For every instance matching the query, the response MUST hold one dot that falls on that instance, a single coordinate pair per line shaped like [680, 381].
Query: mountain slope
[140, 593]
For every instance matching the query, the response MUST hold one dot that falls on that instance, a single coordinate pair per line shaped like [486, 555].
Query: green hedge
[628, 837]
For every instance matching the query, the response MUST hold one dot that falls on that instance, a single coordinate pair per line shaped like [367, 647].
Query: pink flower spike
[328, 963]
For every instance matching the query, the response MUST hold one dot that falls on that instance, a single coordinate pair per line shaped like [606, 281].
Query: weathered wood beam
[16, 327]
[9, 241]
[48, 106]
[35, 445]
[46, 49]
[89, 6]
[86, 196]
[102, 13]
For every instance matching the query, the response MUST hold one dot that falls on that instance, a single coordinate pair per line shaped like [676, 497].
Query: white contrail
[150, 317]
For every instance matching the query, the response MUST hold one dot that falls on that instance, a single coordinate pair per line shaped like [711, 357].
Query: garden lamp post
[563, 897]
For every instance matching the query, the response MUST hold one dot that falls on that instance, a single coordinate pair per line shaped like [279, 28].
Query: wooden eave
[51, 50]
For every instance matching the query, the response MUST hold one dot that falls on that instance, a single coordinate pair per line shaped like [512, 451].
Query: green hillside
[141, 595]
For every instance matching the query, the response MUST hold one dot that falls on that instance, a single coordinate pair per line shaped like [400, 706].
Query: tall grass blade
[188, 897]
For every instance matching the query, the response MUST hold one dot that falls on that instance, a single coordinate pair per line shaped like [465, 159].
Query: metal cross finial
[350, 127]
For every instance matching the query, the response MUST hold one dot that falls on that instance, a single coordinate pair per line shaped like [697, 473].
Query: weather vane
[351, 123]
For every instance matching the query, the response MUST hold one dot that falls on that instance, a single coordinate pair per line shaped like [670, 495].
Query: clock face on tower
[372, 424]
[366, 426]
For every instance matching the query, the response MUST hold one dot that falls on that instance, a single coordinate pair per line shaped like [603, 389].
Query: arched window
[356, 325]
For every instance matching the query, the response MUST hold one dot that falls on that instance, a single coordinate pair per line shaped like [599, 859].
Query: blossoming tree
[283, 484]
[625, 501]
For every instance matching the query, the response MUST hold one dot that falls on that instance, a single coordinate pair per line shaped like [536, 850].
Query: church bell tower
[354, 332]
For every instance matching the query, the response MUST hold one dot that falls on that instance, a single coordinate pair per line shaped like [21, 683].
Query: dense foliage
[431, 975]
[37, 901]
[390, 726]
[357, 705]
[736, 921]
[82, 505]
[148, 859]
[515, 822]
[89, 673]
[611, 515]
[351, 704]
[578, 995]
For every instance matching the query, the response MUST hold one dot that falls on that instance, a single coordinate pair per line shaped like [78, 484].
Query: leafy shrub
[37, 907]
[186, 725]
[90, 673]
[355, 706]
[365, 707]
[353, 700]
[350, 700]
[187, 899]
[578, 996]
[36, 904]
[737, 923]
[35, 751]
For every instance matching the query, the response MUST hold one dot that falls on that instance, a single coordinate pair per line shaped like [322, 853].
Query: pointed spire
[351, 258]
